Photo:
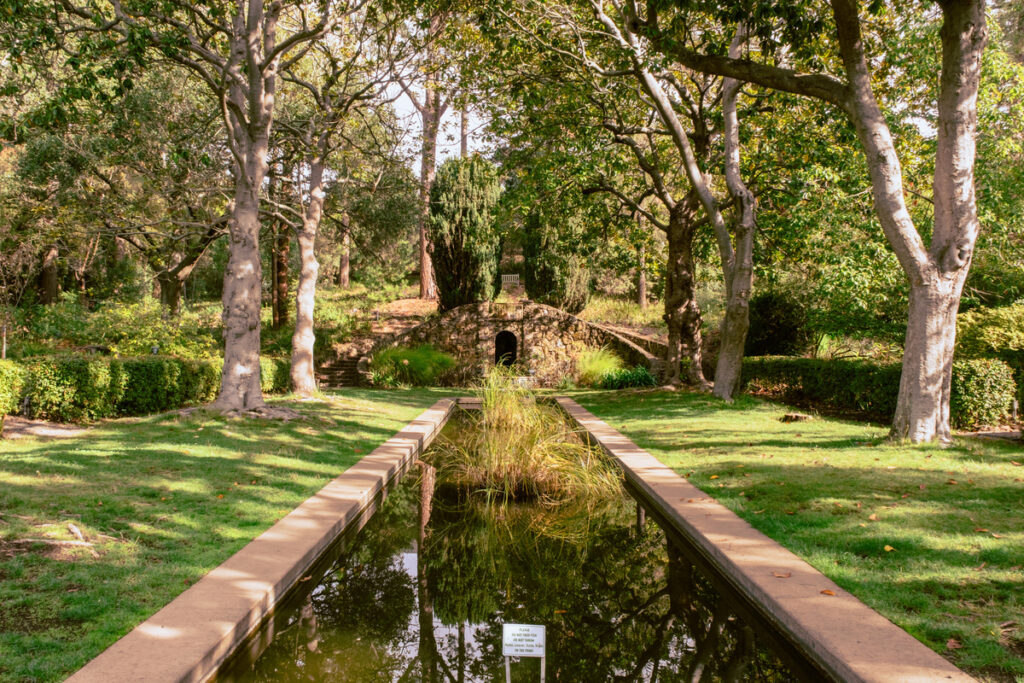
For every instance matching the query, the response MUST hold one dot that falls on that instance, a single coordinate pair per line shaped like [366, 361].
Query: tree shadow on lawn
[163, 500]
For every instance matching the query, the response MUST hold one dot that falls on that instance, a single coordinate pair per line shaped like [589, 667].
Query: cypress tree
[465, 245]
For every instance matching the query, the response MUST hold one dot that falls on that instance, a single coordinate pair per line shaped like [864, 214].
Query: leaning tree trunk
[240, 378]
[682, 313]
[304, 339]
[738, 263]
[170, 291]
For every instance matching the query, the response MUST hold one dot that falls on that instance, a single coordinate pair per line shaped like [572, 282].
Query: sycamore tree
[238, 50]
[834, 53]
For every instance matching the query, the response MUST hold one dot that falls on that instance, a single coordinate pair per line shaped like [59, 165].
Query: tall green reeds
[517, 448]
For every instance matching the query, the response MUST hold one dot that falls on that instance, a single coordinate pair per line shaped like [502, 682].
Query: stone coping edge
[846, 638]
[190, 637]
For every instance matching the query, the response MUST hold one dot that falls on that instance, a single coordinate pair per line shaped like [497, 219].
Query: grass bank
[162, 501]
[932, 538]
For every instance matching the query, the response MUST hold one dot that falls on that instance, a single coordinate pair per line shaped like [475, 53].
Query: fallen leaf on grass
[828, 592]
[951, 481]
[997, 535]
[714, 476]
[782, 575]
[873, 517]
[980, 566]
[922, 486]
[889, 548]
[979, 529]
[1015, 463]
[953, 644]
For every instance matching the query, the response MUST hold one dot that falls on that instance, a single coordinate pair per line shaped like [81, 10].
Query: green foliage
[464, 243]
[275, 374]
[995, 333]
[616, 311]
[778, 326]
[418, 367]
[593, 365]
[555, 273]
[636, 376]
[982, 389]
[12, 379]
[74, 388]
[81, 388]
[982, 392]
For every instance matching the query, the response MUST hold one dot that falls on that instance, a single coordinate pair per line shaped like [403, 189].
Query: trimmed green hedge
[76, 388]
[981, 393]
[624, 378]
[12, 380]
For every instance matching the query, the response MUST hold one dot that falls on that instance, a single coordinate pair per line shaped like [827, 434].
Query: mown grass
[164, 500]
[932, 538]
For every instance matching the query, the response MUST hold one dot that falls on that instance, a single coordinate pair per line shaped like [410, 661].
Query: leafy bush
[400, 366]
[982, 392]
[593, 365]
[74, 388]
[982, 389]
[615, 311]
[12, 379]
[152, 385]
[778, 326]
[637, 376]
[464, 243]
[995, 333]
[275, 375]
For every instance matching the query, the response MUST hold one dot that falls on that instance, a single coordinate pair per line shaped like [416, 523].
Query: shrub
[778, 326]
[637, 376]
[275, 374]
[464, 243]
[153, 384]
[200, 380]
[555, 274]
[982, 392]
[593, 365]
[74, 388]
[979, 387]
[402, 366]
[12, 380]
[995, 333]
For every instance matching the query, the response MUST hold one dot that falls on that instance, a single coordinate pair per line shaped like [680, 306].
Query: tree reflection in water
[618, 605]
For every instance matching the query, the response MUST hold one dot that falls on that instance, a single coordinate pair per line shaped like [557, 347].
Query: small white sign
[522, 640]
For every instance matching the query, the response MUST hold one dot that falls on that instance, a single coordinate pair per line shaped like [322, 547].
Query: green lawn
[163, 500]
[932, 538]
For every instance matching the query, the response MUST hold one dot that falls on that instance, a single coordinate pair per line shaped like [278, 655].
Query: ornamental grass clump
[593, 365]
[515, 448]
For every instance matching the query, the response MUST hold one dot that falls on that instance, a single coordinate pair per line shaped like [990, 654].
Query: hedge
[981, 393]
[12, 380]
[78, 388]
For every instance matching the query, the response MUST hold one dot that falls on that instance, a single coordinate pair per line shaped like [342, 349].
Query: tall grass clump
[593, 365]
[515, 448]
[400, 366]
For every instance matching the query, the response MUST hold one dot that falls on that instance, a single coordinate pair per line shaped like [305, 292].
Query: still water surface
[422, 592]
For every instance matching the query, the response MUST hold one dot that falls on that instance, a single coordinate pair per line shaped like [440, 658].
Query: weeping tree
[465, 243]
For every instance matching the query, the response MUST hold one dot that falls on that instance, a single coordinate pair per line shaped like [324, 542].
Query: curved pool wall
[194, 634]
[843, 637]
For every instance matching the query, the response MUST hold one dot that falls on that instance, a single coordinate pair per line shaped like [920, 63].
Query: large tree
[936, 267]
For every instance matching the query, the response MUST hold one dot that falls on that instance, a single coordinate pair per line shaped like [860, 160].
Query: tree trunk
[240, 378]
[682, 313]
[738, 263]
[345, 260]
[641, 277]
[428, 167]
[427, 650]
[48, 276]
[281, 247]
[464, 133]
[922, 408]
[304, 339]
[170, 291]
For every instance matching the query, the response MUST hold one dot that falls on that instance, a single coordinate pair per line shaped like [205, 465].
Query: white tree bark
[303, 340]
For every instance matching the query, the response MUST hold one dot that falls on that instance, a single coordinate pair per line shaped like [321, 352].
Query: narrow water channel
[422, 592]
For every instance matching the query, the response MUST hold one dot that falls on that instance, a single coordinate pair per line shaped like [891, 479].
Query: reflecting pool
[422, 592]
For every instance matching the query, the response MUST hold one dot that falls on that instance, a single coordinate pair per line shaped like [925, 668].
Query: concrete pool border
[190, 637]
[846, 638]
